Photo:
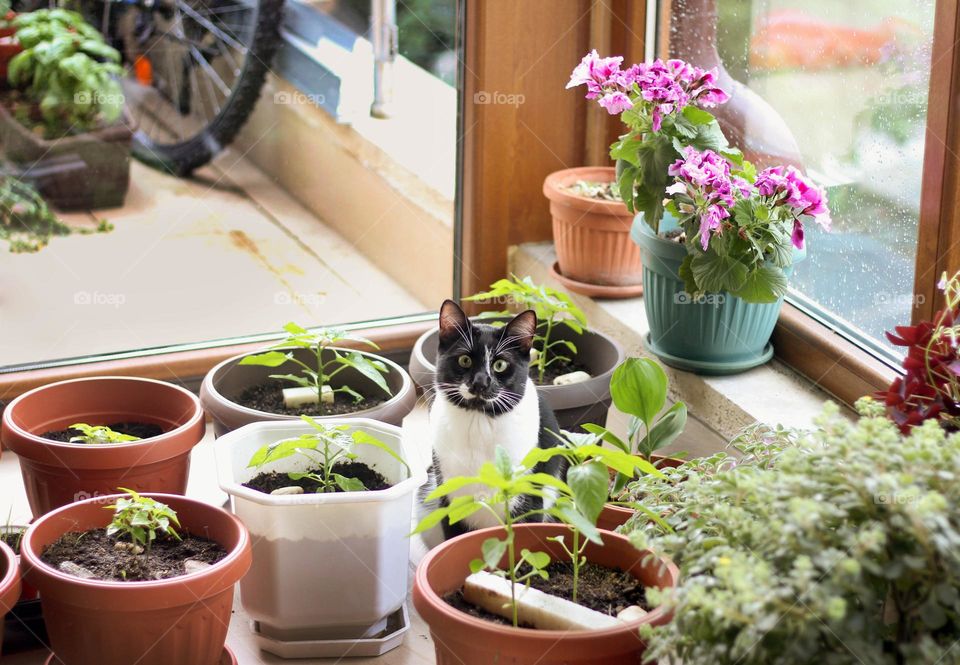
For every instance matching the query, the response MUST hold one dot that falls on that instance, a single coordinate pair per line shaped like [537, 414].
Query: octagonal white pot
[325, 566]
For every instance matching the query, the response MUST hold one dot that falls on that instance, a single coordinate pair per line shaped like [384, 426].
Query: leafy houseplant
[553, 308]
[99, 434]
[930, 386]
[577, 505]
[65, 82]
[834, 546]
[141, 518]
[82, 616]
[56, 473]
[714, 279]
[328, 360]
[562, 329]
[311, 361]
[325, 448]
[360, 536]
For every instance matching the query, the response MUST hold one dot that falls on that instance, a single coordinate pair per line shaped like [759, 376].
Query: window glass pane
[849, 81]
[263, 188]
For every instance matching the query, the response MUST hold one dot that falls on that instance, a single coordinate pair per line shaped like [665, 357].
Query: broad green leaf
[766, 284]
[348, 484]
[716, 272]
[537, 560]
[463, 509]
[668, 427]
[696, 115]
[431, 520]
[590, 483]
[607, 436]
[366, 439]
[570, 516]
[476, 565]
[639, 388]
[301, 381]
[493, 550]
[502, 463]
[452, 485]
[268, 359]
[362, 364]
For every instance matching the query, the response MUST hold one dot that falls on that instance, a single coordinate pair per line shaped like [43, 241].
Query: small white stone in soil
[193, 566]
[284, 491]
[294, 397]
[571, 378]
[534, 354]
[631, 613]
[75, 569]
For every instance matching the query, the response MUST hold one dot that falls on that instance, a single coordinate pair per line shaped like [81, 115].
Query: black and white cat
[484, 399]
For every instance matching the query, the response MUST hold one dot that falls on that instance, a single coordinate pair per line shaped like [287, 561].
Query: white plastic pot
[325, 566]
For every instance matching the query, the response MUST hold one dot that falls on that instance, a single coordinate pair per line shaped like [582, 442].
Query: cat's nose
[480, 383]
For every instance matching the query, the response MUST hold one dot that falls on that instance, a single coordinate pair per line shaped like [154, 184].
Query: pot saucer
[596, 290]
[226, 658]
[706, 367]
[398, 624]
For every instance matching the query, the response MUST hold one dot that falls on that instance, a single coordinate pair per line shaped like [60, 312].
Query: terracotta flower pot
[181, 620]
[592, 237]
[56, 473]
[574, 404]
[227, 381]
[9, 47]
[460, 639]
[612, 517]
[9, 583]
[27, 592]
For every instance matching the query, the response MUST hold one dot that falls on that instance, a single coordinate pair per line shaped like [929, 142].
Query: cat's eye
[500, 365]
[465, 361]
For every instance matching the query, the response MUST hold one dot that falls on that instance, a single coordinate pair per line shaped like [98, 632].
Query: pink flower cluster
[705, 177]
[666, 86]
[786, 186]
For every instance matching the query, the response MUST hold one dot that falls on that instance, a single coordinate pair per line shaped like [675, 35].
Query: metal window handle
[386, 46]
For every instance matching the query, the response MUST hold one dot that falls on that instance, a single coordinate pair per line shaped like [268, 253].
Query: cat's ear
[453, 323]
[521, 330]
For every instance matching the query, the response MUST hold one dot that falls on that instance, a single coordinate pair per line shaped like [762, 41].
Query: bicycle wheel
[196, 68]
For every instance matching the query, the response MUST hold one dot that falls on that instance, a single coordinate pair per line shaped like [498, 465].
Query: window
[312, 214]
[841, 91]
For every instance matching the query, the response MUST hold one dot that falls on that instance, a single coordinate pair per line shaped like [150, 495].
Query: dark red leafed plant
[930, 386]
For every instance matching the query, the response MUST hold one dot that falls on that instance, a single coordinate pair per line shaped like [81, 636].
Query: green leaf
[493, 550]
[590, 483]
[697, 116]
[715, 273]
[431, 520]
[301, 381]
[570, 516]
[766, 284]
[365, 366]
[476, 565]
[463, 507]
[365, 439]
[686, 274]
[606, 435]
[348, 484]
[282, 449]
[452, 485]
[537, 560]
[268, 359]
[639, 388]
[502, 463]
[669, 426]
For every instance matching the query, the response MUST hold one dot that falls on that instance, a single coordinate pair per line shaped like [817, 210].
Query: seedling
[141, 518]
[504, 482]
[639, 389]
[99, 434]
[554, 308]
[326, 447]
[329, 361]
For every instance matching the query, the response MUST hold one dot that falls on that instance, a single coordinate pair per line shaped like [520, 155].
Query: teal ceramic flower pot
[715, 334]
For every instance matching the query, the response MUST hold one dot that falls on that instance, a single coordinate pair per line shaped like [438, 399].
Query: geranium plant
[930, 386]
[740, 226]
[663, 106]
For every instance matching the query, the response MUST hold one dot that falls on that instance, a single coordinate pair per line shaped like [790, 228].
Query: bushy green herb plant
[99, 434]
[26, 221]
[840, 545]
[553, 308]
[326, 446]
[68, 70]
[639, 389]
[141, 518]
[328, 360]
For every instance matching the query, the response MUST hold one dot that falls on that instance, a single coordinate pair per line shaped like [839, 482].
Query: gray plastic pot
[227, 381]
[574, 404]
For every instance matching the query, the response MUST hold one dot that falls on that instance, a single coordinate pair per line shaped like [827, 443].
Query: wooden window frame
[502, 204]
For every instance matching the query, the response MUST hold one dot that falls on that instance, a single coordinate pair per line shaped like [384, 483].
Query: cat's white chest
[464, 440]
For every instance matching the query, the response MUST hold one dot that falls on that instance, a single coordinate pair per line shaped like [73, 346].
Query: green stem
[576, 562]
[542, 360]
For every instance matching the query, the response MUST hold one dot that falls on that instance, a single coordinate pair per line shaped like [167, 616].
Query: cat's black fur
[459, 336]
